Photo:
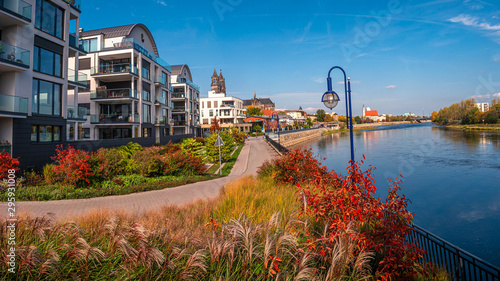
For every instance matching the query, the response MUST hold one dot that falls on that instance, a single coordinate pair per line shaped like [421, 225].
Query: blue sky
[402, 56]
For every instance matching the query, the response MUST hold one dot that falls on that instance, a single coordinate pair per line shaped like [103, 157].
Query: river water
[451, 177]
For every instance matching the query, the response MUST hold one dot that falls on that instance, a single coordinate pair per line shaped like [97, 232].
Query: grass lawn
[229, 163]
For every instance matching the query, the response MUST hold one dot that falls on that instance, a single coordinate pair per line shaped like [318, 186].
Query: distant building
[262, 103]
[483, 106]
[373, 115]
[228, 110]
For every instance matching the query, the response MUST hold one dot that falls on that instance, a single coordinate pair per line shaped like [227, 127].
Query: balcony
[77, 77]
[189, 82]
[179, 123]
[13, 58]
[127, 43]
[146, 119]
[75, 112]
[161, 80]
[76, 44]
[13, 105]
[114, 72]
[179, 109]
[113, 94]
[161, 120]
[179, 95]
[74, 3]
[161, 99]
[146, 96]
[114, 118]
[171, 88]
[14, 12]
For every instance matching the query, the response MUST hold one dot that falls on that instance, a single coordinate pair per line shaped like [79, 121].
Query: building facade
[373, 115]
[228, 110]
[483, 106]
[185, 102]
[262, 103]
[39, 52]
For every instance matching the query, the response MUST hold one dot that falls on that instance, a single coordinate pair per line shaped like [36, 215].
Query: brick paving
[253, 154]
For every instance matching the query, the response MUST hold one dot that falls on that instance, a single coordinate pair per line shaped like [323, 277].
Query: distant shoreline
[475, 127]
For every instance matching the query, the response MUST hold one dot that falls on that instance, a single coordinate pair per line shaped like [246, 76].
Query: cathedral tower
[215, 82]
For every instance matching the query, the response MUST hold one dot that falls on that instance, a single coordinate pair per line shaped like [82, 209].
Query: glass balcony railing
[108, 68]
[75, 43]
[18, 8]
[77, 77]
[163, 63]
[75, 112]
[189, 82]
[113, 93]
[161, 80]
[114, 118]
[146, 96]
[179, 95]
[179, 108]
[179, 123]
[74, 3]
[161, 120]
[146, 119]
[171, 88]
[14, 54]
[161, 99]
[13, 104]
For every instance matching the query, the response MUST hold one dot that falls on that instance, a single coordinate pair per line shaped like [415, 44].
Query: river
[451, 177]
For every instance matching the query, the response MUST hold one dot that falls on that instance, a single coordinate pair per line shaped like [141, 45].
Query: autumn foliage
[7, 163]
[71, 166]
[348, 210]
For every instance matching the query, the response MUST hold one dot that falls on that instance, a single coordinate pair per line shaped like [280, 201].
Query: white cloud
[319, 79]
[497, 58]
[390, 87]
[492, 30]
[485, 97]
[161, 3]
[497, 95]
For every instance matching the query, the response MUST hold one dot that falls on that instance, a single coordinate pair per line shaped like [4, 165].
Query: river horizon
[451, 177]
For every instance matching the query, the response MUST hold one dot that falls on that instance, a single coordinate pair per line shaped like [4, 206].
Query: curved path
[253, 154]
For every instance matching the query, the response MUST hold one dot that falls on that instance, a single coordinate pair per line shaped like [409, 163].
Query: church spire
[215, 73]
[254, 95]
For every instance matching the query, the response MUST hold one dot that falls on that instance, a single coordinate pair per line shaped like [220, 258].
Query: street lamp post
[331, 99]
[278, 120]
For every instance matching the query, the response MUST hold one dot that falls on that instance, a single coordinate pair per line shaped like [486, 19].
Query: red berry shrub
[7, 163]
[347, 207]
[71, 166]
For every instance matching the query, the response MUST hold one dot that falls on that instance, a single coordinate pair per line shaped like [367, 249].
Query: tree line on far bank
[465, 112]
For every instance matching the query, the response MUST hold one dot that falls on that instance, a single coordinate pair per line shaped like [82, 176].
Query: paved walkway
[253, 154]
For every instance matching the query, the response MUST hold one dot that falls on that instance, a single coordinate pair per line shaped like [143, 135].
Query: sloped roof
[371, 113]
[117, 31]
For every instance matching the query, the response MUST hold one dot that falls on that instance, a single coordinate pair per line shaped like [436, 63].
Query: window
[86, 133]
[209, 104]
[45, 133]
[47, 62]
[211, 112]
[215, 104]
[49, 18]
[89, 45]
[46, 98]
[146, 91]
[145, 69]
[146, 113]
[146, 133]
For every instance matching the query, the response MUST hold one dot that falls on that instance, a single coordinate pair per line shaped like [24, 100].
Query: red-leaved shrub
[72, 166]
[7, 163]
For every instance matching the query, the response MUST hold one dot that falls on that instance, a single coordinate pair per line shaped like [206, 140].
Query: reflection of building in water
[483, 106]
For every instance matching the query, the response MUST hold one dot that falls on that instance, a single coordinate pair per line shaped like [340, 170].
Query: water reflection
[472, 139]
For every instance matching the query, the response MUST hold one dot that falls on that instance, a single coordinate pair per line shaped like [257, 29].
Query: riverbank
[475, 127]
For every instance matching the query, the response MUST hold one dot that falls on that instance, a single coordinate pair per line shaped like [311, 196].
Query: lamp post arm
[329, 85]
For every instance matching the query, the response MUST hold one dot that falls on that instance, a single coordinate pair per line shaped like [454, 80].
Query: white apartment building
[185, 102]
[483, 106]
[130, 89]
[37, 40]
[229, 110]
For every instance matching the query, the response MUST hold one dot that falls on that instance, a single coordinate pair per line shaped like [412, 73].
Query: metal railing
[179, 108]
[276, 145]
[109, 68]
[18, 8]
[74, 3]
[13, 104]
[74, 42]
[161, 99]
[113, 93]
[459, 264]
[178, 95]
[161, 80]
[161, 120]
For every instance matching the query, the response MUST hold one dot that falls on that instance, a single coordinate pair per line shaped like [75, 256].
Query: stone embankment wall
[292, 139]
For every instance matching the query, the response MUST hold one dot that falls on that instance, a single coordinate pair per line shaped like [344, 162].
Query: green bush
[192, 145]
[108, 163]
[213, 151]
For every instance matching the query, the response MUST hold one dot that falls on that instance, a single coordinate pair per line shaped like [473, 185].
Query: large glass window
[45, 133]
[89, 45]
[49, 18]
[47, 62]
[146, 113]
[46, 98]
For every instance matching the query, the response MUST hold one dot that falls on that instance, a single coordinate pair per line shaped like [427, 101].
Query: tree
[257, 128]
[254, 111]
[309, 122]
[320, 115]
[328, 118]
[358, 120]
[215, 125]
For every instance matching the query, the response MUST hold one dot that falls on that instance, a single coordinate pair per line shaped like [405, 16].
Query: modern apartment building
[185, 102]
[37, 40]
[229, 110]
[129, 85]
[483, 106]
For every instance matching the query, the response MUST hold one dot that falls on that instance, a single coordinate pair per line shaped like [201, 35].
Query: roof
[262, 101]
[247, 102]
[117, 31]
[371, 113]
